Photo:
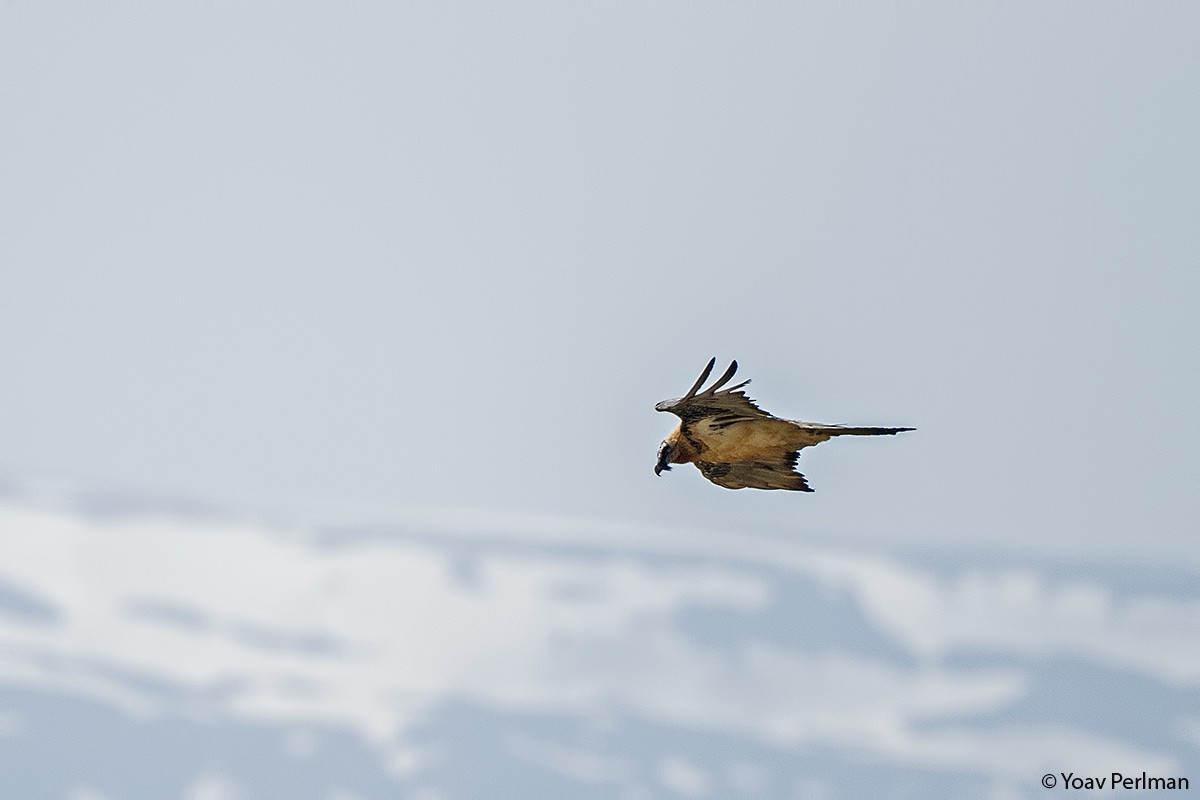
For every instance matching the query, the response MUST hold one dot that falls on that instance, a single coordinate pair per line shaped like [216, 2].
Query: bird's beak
[664, 459]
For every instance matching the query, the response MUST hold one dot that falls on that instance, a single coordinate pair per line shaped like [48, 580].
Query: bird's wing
[731, 405]
[775, 474]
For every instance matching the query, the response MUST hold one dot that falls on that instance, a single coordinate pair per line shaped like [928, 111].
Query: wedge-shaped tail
[846, 430]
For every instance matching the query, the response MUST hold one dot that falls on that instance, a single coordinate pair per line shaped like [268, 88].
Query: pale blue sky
[395, 288]
[351, 259]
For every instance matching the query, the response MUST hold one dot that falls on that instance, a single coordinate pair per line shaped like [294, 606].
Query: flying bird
[736, 444]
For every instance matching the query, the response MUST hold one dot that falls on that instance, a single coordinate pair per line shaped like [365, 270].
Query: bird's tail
[843, 430]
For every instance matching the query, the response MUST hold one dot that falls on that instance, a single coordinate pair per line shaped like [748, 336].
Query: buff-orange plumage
[737, 445]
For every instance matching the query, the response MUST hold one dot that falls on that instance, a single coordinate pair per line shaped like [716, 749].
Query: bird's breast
[742, 441]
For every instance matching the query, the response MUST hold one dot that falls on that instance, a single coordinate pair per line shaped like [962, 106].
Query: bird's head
[666, 451]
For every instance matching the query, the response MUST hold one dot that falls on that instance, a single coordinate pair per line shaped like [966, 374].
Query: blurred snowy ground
[159, 654]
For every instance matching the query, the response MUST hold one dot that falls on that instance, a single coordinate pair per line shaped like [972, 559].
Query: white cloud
[579, 764]
[683, 777]
[1019, 611]
[212, 787]
[85, 793]
[373, 636]
[1017, 754]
